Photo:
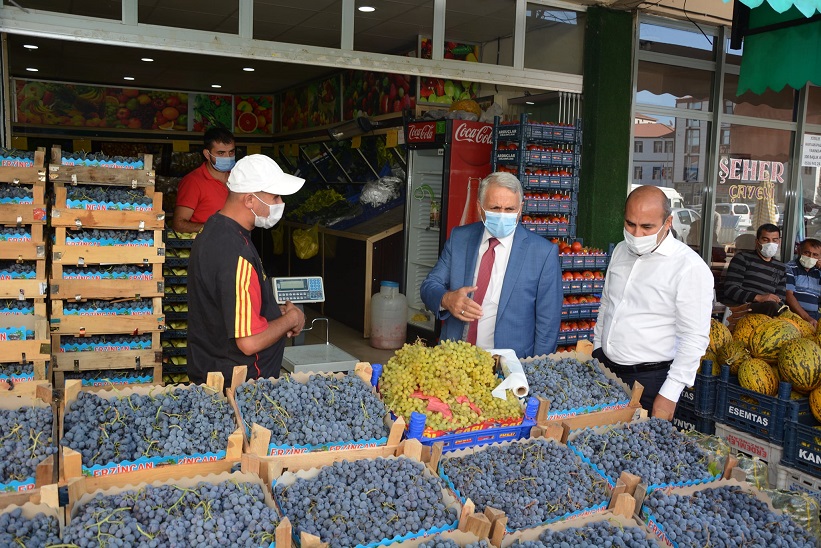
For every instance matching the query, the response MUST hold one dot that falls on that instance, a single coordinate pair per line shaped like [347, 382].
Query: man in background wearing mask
[496, 284]
[203, 192]
[755, 277]
[804, 281]
[233, 318]
[654, 319]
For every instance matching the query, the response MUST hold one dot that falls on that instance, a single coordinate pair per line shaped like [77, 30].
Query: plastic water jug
[389, 317]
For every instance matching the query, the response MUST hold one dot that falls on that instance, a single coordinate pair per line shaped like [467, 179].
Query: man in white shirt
[654, 319]
[496, 284]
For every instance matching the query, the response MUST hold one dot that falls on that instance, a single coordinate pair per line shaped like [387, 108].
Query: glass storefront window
[673, 86]
[554, 29]
[769, 105]
[673, 41]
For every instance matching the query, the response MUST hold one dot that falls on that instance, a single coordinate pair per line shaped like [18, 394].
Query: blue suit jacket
[530, 306]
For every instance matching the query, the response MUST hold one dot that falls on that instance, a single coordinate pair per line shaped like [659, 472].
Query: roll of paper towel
[515, 379]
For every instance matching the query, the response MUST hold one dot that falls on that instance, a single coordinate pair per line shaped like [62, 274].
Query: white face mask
[642, 245]
[275, 212]
[807, 262]
[769, 250]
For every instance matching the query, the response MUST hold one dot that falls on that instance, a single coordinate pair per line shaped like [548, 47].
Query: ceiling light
[529, 103]
[30, 46]
[248, 69]
[128, 77]
[216, 86]
[147, 59]
[32, 69]
[367, 9]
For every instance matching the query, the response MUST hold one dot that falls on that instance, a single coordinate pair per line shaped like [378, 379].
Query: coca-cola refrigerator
[446, 161]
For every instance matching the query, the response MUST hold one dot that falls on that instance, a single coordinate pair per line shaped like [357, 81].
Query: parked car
[683, 220]
[740, 210]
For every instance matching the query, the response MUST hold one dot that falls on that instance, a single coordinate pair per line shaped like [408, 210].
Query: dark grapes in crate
[592, 535]
[25, 441]
[228, 513]
[185, 421]
[117, 272]
[532, 482]
[723, 516]
[382, 499]
[101, 194]
[99, 307]
[16, 369]
[325, 409]
[571, 384]
[38, 531]
[110, 237]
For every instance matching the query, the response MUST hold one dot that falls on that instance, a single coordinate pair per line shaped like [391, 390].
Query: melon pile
[762, 351]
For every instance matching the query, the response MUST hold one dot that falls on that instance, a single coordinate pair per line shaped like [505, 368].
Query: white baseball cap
[259, 173]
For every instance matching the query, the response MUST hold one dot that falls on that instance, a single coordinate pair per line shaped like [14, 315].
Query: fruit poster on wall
[211, 111]
[439, 90]
[367, 93]
[254, 114]
[56, 103]
[312, 105]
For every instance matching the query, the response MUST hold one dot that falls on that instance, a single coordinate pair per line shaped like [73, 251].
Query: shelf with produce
[130, 172]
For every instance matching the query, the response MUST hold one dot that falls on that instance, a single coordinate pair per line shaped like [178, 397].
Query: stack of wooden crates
[108, 331]
[24, 338]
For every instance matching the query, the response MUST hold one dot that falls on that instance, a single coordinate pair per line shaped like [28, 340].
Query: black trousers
[650, 380]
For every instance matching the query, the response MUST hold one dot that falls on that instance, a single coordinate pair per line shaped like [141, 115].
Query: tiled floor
[346, 338]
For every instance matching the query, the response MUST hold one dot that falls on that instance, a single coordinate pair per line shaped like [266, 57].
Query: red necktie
[482, 281]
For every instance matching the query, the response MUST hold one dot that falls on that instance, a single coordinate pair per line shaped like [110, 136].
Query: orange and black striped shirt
[229, 297]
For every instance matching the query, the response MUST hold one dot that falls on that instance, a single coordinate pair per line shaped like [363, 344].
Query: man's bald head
[646, 211]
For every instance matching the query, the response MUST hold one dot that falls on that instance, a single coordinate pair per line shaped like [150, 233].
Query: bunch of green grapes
[447, 371]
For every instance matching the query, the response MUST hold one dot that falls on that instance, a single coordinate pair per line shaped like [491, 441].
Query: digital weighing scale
[310, 358]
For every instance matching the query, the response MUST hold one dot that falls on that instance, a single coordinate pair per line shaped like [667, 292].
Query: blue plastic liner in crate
[802, 441]
[748, 411]
[461, 440]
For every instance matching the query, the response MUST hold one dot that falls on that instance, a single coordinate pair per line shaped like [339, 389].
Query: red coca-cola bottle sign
[424, 132]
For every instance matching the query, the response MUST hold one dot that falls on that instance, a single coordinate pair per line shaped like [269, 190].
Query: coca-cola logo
[479, 135]
[421, 132]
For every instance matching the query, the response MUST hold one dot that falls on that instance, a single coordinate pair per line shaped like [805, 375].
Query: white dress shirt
[487, 323]
[656, 307]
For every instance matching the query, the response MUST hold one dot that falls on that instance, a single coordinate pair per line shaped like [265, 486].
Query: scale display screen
[307, 289]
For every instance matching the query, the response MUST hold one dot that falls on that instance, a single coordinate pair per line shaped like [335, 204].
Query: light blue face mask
[499, 224]
[223, 163]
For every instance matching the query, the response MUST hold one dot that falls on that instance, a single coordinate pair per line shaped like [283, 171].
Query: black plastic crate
[686, 418]
[748, 411]
[802, 440]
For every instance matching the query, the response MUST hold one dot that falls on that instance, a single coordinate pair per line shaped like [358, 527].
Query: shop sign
[752, 172]
[811, 156]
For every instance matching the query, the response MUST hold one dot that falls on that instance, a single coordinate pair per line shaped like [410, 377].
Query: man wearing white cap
[233, 318]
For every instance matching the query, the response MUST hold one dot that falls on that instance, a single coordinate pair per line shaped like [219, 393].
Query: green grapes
[447, 371]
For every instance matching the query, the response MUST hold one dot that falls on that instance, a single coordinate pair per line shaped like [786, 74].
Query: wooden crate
[75, 362]
[33, 175]
[78, 325]
[35, 288]
[71, 465]
[84, 254]
[41, 373]
[38, 348]
[32, 394]
[62, 215]
[133, 178]
[25, 214]
[259, 440]
[74, 289]
[82, 489]
[35, 250]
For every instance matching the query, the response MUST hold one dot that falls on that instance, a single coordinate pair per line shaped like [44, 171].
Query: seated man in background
[756, 277]
[804, 281]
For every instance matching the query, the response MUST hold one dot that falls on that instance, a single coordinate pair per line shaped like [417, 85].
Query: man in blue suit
[513, 274]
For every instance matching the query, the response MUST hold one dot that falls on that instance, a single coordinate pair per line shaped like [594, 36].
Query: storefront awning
[782, 45]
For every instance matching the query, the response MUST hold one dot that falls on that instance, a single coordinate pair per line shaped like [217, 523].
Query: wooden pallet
[133, 178]
[71, 465]
[27, 175]
[63, 216]
[78, 325]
